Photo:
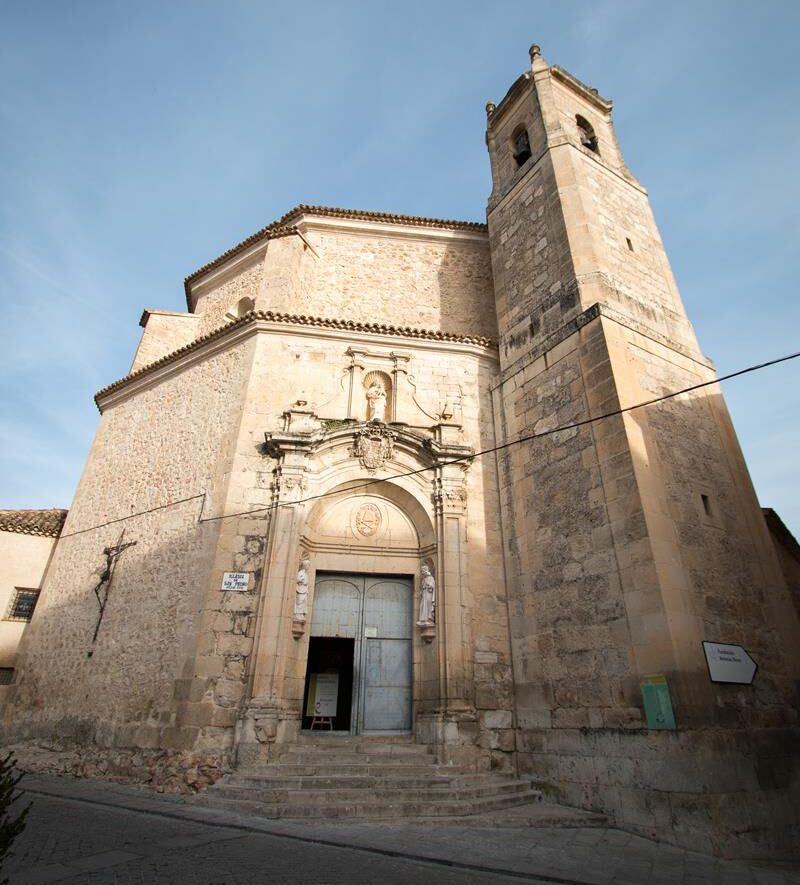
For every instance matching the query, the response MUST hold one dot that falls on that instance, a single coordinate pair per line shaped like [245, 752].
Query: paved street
[93, 832]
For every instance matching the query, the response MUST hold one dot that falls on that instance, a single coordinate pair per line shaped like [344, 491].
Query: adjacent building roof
[46, 523]
[283, 226]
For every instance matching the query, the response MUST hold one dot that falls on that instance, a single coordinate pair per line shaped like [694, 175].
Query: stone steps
[366, 779]
[333, 792]
[366, 809]
[318, 778]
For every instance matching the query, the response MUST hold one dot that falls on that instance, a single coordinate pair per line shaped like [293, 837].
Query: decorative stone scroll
[374, 446]
[450, 495]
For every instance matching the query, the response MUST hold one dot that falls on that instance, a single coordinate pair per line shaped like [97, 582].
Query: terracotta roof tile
[47, 523]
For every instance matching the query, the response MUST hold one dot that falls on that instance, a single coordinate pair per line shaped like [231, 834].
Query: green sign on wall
[657, 703]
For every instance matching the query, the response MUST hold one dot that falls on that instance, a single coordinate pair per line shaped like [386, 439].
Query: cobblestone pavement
[95, 832]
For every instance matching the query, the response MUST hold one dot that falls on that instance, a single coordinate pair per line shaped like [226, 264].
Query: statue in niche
[376, 402]
[301, 591]
[427, 613]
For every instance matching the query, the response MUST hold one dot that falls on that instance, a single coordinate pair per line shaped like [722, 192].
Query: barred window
[6, 675]
[23, 602]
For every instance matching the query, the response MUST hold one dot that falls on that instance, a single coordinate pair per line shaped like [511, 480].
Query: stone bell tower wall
[632, 539]
[588, 231]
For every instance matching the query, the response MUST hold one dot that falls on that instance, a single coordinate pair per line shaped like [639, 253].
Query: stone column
[273, 712]
[458, 726]
[355, 406]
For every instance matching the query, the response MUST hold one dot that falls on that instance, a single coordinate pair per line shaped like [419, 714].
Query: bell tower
[631, 539]
[570, 226]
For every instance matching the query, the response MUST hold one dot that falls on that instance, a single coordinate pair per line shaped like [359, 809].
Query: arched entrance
[365, 549]
[336, 521]
[360, 652]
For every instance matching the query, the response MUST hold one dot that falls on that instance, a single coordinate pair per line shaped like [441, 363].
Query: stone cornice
[598, 309]
[517, 88]
[265, 319]
[385, 228]
[495, 113]
[588, 92]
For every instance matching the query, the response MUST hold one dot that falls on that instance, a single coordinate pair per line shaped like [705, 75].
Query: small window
[630, 244]
[23, 602]
[6, 675]
[706, 504]
[586, 133]
[521, 147]
[244, 305]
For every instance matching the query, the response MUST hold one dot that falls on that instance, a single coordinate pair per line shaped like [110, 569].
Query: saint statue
[427, 615]
[376, 402]
[301, 591]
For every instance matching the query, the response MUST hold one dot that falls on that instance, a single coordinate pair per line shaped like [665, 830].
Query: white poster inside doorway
[323, 692]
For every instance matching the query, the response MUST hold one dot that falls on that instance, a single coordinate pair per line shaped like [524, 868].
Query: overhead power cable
[462, 458]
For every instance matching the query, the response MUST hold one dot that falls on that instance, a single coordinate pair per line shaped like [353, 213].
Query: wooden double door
[361, 629]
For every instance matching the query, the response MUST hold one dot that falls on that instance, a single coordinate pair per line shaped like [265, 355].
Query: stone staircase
[366, 779]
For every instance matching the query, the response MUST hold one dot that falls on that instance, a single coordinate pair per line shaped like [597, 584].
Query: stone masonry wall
[573, 656]
[589, 604]
[169, 442]
[734, 580]
[163, 334]
[403, 281]
[223, 297]
[290, 365]
[530, 264]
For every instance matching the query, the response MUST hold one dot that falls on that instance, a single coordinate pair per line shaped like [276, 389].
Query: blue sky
[140, 140]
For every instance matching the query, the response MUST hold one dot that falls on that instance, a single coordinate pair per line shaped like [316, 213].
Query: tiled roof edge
[300, 320]
[43, 523]
[281, 228]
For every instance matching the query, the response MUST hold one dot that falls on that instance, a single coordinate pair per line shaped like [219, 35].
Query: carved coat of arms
[374, 446]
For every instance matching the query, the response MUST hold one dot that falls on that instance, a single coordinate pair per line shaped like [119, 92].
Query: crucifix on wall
[101, 591]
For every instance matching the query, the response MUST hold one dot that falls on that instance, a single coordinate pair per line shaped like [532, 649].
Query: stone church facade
[365, 450]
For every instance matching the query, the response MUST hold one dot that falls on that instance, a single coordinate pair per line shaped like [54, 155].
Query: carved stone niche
[379, 398]
[377, 385]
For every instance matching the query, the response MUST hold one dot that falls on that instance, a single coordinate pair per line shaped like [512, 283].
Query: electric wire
[359, 486]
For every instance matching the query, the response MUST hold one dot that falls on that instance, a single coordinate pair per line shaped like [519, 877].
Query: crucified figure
[111, 554]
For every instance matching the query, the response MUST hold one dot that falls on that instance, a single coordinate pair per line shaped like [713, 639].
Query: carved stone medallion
[374, 446]
[368, 520]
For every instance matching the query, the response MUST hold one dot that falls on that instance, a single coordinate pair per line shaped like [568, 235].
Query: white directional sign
[729, 663]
